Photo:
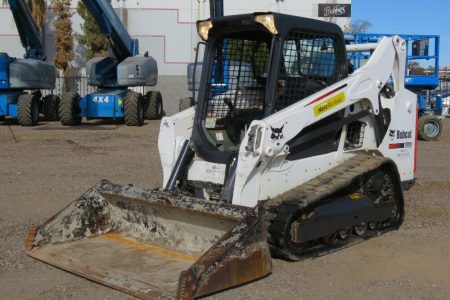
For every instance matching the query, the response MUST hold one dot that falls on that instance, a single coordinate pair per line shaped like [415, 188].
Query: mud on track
[51, 165]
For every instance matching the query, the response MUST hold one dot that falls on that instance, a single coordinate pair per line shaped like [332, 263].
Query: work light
[267, 21]
[203, 28]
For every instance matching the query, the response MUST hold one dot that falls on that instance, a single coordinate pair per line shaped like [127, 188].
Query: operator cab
[255, 65]
[236, 88]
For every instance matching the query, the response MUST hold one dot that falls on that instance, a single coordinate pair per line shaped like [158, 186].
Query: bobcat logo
[392, 133]
[277, 133]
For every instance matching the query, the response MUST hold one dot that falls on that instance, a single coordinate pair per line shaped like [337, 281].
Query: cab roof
[284, 24]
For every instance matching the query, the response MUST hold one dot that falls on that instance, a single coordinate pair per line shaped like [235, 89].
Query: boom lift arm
[108, 71]
[18, 76]
[28, 30]
[216, 8]
[122, 45]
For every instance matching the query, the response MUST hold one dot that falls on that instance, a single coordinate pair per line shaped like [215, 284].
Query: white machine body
[262, 168]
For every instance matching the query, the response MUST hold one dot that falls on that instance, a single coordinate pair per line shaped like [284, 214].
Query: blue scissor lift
[423, 53]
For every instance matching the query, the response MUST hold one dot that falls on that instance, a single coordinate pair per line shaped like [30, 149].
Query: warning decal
[329, 104]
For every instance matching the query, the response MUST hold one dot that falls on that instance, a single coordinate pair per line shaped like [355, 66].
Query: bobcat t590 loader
[295, 158]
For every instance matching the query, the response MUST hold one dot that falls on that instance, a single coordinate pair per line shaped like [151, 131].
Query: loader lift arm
[120, 41]
[28, 30]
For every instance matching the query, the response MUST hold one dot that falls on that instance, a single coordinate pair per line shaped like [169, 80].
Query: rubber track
[281, 208]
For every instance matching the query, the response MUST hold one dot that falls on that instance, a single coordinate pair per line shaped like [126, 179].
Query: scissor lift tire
[430, 128]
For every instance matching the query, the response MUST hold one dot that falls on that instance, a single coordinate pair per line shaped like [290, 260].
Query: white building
[166, 28]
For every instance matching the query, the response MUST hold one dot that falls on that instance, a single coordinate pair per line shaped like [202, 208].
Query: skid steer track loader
[292, 157]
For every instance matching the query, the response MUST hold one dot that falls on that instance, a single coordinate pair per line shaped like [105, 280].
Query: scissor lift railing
[422, 75]
[423, 49]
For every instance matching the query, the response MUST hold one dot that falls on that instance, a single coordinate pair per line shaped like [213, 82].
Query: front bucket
[152, 244]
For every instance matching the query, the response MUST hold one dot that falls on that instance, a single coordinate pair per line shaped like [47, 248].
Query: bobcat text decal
[400, 134]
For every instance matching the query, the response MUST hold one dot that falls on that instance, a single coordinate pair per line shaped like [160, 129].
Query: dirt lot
[51, 165]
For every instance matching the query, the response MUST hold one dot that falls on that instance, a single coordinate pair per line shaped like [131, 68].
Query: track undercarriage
[359, 199]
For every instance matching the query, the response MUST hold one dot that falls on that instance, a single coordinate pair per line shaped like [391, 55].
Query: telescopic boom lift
[21, 80]
[114, 75]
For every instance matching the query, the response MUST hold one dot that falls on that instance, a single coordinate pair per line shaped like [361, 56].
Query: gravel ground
[50, 165]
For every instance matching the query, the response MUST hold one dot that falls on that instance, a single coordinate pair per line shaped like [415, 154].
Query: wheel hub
[431, 129]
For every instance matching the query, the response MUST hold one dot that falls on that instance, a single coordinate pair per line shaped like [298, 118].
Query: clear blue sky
[408, 17]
